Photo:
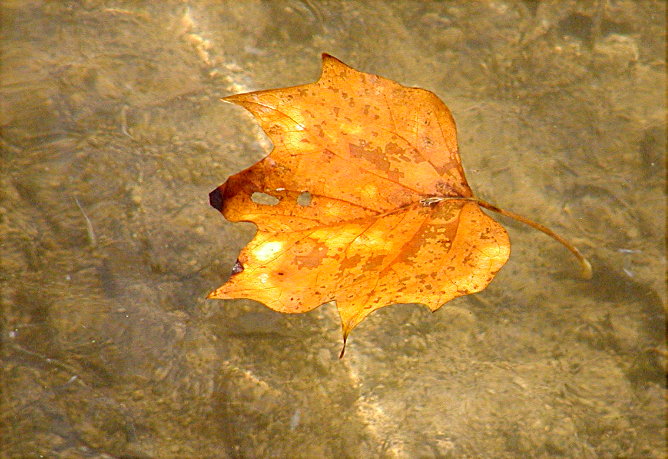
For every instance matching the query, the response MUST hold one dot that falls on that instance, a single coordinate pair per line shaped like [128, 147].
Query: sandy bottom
[112, 137]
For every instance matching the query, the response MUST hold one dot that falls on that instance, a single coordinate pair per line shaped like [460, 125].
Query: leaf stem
[586, 266]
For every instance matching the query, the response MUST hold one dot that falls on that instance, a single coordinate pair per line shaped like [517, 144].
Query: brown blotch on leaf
[237, 268]
[216, 200]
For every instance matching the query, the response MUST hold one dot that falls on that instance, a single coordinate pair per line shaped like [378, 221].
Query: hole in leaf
[264, 199]
[304, 199]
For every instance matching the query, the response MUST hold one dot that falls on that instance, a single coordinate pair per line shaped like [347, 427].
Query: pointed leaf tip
[231, 99]
[327, 56]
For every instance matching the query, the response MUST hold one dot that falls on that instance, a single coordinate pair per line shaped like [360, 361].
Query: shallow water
[113, 136]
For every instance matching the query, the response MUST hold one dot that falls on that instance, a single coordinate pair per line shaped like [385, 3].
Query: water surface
[113, 135]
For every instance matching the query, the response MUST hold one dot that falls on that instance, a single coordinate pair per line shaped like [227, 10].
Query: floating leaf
[363, 201]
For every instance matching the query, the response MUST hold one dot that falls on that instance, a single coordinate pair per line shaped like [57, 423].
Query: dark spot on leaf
[216, 200]
[237, 268]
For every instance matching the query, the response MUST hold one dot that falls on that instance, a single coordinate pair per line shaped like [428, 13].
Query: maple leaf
[363, 201]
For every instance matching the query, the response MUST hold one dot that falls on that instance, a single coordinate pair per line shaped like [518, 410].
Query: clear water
[113, 135]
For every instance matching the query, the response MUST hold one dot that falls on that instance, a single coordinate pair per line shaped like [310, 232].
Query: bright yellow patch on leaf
[391, 217]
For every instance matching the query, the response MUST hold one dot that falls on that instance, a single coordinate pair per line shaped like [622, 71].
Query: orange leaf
[372, 204]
